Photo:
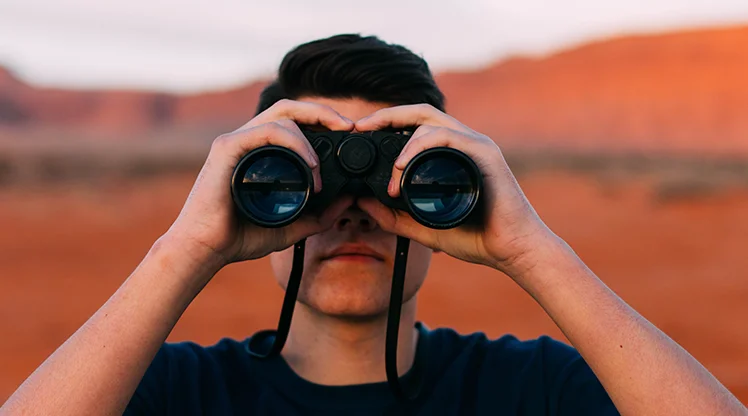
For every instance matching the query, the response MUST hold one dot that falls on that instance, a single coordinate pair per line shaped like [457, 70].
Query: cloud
[206, 44]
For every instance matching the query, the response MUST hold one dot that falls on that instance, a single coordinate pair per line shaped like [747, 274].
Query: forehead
[352, 108]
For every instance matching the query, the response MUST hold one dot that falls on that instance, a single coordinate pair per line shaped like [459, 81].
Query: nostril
[368, 224]
[356, 220]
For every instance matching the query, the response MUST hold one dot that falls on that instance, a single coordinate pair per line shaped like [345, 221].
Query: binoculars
[272, 186]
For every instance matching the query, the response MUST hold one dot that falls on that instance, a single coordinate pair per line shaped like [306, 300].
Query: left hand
[512, 232]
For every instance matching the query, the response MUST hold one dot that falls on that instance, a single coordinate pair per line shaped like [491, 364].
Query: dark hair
[352, 66]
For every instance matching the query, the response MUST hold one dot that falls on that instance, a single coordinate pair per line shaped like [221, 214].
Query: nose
[354, 219]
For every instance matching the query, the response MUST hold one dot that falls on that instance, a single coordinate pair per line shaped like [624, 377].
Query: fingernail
[391, 186]
[347, 119]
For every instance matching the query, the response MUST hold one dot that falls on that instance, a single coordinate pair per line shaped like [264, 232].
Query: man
[333, 362]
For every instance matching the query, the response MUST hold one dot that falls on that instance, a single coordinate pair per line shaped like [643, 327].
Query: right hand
[208, 222]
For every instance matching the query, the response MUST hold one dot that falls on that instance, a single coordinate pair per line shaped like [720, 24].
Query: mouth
[358, 253]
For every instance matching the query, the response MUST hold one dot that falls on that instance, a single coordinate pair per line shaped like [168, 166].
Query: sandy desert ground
[681, 263]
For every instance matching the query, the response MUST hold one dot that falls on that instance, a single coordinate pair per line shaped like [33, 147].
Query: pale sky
[192, 45]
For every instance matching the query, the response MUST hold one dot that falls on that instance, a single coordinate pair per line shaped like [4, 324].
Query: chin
[348, 290]
[354, 289]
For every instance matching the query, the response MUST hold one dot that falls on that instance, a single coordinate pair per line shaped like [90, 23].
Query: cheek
[281, 263]
[419, 260]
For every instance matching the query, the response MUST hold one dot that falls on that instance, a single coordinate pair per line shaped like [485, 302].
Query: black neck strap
[393, 324]
[289, 301]
[393, 317]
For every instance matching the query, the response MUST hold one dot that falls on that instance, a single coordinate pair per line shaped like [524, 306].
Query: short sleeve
[185, 378]
[578, 390]
[150, 397]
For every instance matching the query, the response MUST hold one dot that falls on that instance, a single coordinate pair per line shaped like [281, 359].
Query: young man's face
[349, 285]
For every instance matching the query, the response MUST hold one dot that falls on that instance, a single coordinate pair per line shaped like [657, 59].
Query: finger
[397, 222]
[241, 142]
[393, 189]
[303, 227]
[303, 113]
[236, 145]
[427, 139]
[407, 116]
[316, 174]
[308, 225]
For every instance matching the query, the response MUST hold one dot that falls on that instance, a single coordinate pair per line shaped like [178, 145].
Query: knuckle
[423, 129]
[482, 139]
[440, 130]
[280, 134]
[283, 102]
[425, 108]
[274, 125]
[222, 141]
[487, 140]
[415, 142]
[272, 128]
[286, 123]
[424, 138]
[381, 112]
[328, 114]
[282, 105]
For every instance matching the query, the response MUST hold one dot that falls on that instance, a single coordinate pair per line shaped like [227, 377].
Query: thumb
[308, 225]
[397, 222]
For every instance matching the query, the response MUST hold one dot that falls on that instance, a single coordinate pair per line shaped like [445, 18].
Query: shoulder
[543, 354]
[189, 353]
[543, 374]
[507, 350]
[182, 358]
[181, 373]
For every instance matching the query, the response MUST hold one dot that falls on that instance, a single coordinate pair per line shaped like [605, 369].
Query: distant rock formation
[678, 92]
[683, 92]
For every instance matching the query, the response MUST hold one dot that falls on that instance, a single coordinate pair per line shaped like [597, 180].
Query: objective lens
[441, 189]
[270, 187]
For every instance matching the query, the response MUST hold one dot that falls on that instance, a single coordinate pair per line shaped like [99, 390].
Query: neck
[333, 351]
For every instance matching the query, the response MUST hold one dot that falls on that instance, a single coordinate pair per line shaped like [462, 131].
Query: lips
[354, 250]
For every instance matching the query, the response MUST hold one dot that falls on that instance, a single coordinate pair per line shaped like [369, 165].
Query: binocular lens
[440, 186]
[271, 188]
[442, 190]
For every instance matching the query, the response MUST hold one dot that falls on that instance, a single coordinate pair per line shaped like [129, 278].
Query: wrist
[197, 262]
[545, 250]
[169, 278]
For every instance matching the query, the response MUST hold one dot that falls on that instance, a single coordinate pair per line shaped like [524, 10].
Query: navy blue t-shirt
[461, 375]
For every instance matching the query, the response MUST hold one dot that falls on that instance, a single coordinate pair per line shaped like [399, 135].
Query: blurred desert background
[632, 148]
